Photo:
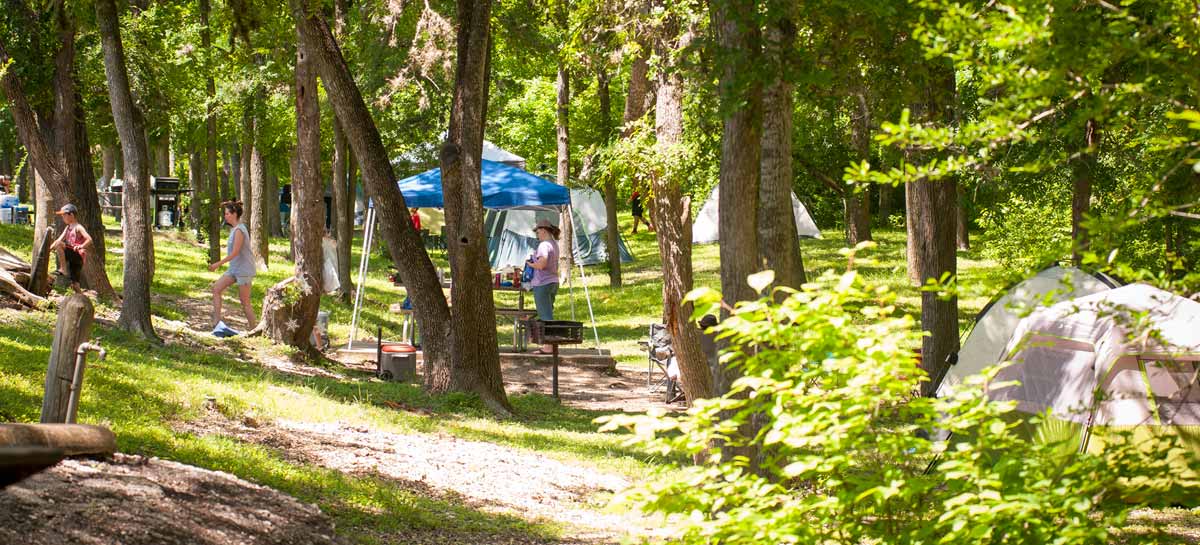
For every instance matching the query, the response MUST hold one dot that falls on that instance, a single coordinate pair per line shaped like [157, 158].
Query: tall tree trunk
[260, 200]
[404, 243]
[672, 215]
[778, 243]
[211, 201]
[856, 200]
[135, 309]
[343, 210]
[108, 162]
[1083, 171]
[741, 147]
[87, 200]
[162, 153]
[886, 193]
[227, 162]
[566, 243]
[931, 235]
[245, 183]
[196, 181]
[932, 232]
[612, 232]
[343, 183]
[475, 356]
[293, 324]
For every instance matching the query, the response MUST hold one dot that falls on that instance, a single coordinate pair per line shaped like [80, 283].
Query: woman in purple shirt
[545, 274]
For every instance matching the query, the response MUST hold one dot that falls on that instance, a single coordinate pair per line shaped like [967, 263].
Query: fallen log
[13, 264]
[71, 439]
[17, 463]
[9, 285]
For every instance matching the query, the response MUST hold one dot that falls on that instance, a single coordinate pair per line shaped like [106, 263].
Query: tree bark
[1083, 171]
[245, 190]
[672, 215]
[856, 199]
[931, 235]
[135, 309]
[475, 356]
[212, 202]
[108, 161]
[566, 243]
[778, 244]
[343, 210]
[307, 214]
[886, 193]
[260, 204]
[612, 233]
[741, 147]
[404, 243]
[227, 161]
[87, 200]
[196, 181]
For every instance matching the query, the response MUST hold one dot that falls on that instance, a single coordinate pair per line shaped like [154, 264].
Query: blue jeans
[543, 300]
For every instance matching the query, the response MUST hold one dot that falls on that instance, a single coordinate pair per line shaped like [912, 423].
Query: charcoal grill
[555, 333]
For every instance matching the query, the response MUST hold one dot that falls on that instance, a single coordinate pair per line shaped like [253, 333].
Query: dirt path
[483, 476]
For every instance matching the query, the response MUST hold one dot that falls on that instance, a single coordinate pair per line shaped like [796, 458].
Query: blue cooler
[21, 214]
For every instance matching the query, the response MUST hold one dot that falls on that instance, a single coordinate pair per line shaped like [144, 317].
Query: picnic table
[518, 315]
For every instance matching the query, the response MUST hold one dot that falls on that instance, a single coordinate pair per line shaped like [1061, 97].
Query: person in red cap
[72, 245]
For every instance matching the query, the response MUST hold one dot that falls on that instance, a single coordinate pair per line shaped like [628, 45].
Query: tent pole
[587, 295]
[362, 274]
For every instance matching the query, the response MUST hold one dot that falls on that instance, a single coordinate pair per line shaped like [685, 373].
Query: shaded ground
[133, 500]
[486, 477]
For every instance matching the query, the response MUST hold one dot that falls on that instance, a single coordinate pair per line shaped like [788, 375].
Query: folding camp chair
[658, 357]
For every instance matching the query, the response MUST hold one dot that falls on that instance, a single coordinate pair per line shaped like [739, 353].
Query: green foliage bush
[840, 454]
[1025, 234]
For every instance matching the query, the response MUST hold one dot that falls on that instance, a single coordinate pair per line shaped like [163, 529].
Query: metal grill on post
[555, 333]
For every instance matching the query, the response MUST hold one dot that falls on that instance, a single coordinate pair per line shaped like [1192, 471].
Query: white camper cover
[994, 327]
[704, 229]
[1138, 346]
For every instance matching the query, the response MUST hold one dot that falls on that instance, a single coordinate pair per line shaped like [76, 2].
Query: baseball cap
[67, 209]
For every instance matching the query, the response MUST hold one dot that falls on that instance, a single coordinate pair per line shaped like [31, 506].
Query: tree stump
[73, 328]
[39, 282]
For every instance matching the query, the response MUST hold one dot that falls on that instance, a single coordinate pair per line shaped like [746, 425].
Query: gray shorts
[241, 280]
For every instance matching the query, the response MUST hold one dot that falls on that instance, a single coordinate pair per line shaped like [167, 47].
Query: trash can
[398, 362]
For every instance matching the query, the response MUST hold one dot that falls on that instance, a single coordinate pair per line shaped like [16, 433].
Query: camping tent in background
[995, 324]
[511, 239]
[704, 229]
[1092, 361]
[432, 219]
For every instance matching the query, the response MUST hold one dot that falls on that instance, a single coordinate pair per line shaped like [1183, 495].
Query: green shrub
[1024, 235]
[842, 454]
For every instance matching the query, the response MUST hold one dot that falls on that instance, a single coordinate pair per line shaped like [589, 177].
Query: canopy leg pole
[363, 260]
[588, 296]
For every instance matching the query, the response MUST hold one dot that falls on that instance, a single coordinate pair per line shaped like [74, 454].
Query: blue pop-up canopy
[503, 187]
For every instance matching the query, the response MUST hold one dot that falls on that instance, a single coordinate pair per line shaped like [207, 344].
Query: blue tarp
[503, 187]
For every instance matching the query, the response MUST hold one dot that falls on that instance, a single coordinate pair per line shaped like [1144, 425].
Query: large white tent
[704, 229]
[1123, 357]
[995, 324]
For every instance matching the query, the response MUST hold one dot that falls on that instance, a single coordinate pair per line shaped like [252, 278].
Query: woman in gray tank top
[241, 265]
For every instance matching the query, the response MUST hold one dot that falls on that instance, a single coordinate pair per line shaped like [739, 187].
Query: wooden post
[39, 284]
[74, 327]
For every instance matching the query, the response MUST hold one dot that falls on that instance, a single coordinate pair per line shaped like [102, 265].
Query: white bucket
[6, 215]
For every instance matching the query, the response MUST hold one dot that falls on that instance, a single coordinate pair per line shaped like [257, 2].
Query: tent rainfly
[704, 229]
[504, 187]
[511, 240]
[994, 325]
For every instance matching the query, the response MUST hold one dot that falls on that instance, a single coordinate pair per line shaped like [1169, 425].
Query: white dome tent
[704, 229]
